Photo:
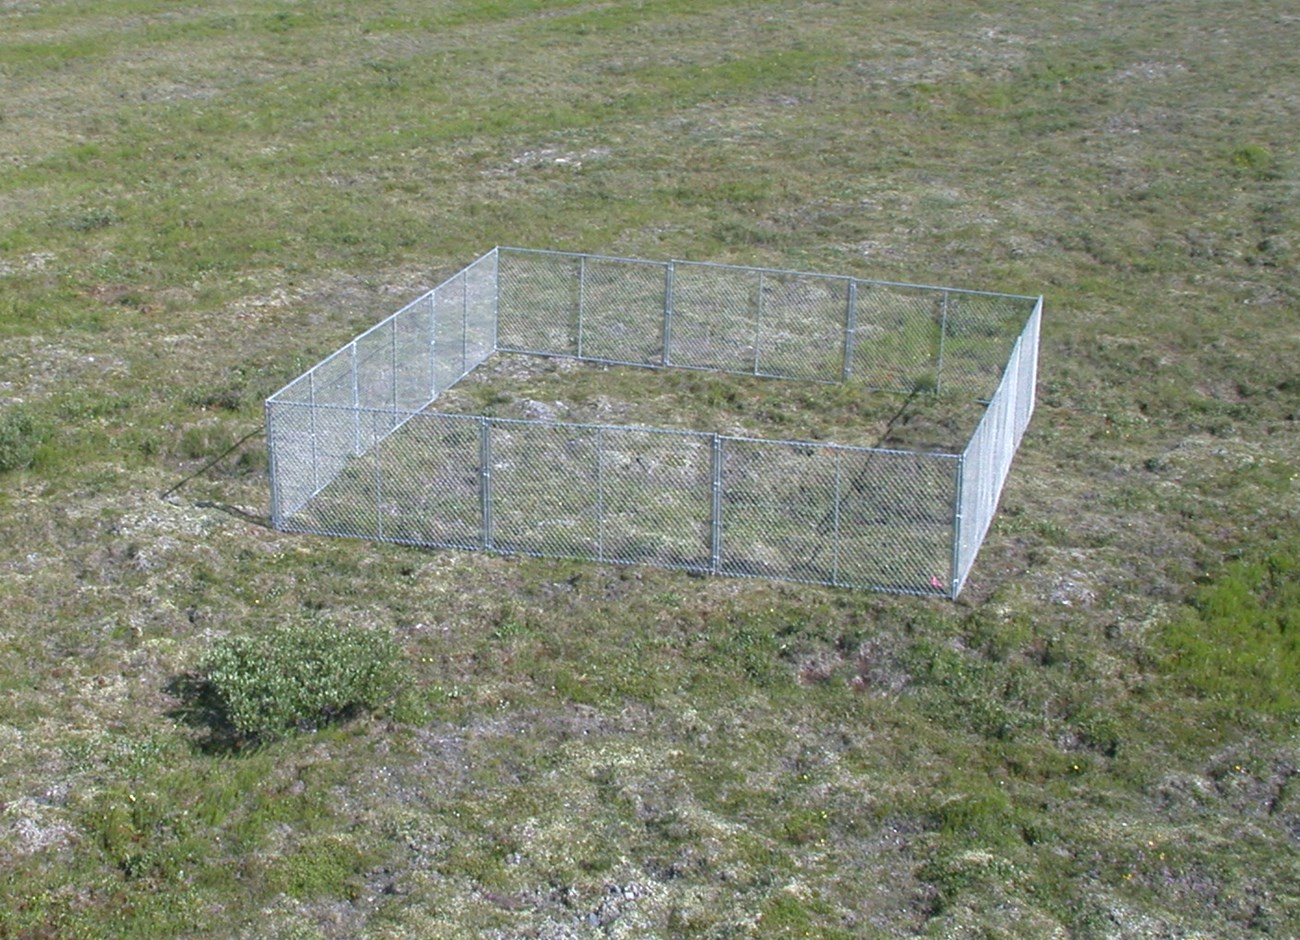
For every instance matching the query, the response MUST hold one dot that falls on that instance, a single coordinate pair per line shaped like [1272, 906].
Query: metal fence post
[379, 484]
[850, 327]
[669, 275]
[356, 402]
[954, 585]
[582, 283]
[758, 320]
[943, 332]
[600, 494]
[485, 481]
[496, 297]
[272, 470]
[715, 526]
[835, 523]
[311, 396]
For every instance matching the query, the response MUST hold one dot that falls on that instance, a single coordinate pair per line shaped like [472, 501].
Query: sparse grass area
[528, 387]
[1099, 740]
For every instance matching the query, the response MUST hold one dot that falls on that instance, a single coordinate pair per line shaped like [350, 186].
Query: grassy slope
[198, 201]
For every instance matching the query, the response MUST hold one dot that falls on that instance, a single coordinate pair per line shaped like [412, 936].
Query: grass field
[1099, 740]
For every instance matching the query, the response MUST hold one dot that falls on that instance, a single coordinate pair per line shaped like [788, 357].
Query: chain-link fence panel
[656, 497]
[896, 521]
[413, 355]
[449, 333]
[430, 482]
[895, 337]
[334, 417]
[987, 458]
[480, 315]
[543, 497]
[537, 302]
[978, 333]
[889, 520]
[800, 326]
[621, 311]
[347, 503]
[778, 512]
[711, 320]
[291, 444]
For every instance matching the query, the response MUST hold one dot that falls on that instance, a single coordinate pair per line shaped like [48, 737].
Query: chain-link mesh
[711, 321]
[987, 458]
[836, 515]
[883, 519]
[800, 326]
[656, 497]
[896, 333]
[537, 302]
[621, 311]
[544, 496]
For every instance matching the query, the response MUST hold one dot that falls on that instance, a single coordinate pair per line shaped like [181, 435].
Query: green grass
[1097, 740]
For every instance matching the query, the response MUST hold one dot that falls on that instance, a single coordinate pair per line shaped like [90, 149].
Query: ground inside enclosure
[1098, 740]
[570, 390]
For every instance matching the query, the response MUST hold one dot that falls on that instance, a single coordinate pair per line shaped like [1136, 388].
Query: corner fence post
[669, 276]
[955, 582]
[850, 326]
[379, 483]
[272, 468]
[715, 526]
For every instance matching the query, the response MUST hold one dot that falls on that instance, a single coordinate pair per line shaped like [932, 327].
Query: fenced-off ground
[861, 430]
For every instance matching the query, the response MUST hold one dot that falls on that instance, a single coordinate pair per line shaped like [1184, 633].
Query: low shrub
[20, 435]
[299, 677]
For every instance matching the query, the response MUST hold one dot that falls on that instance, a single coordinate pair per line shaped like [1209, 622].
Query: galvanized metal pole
[311, 396]
[715, 528]
[850, 327]
[496, 297]
[272, 462]
[582, 283]
[669, 276]
[956, 578]
[943, 332]
[600, 494]
[758, 320]
[379, 485]
[835, 525]
[356, 402]
[485, 482]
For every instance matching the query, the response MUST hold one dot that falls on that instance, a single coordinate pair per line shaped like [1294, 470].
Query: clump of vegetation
[299, 677]
[20, 436]
[1238, 642]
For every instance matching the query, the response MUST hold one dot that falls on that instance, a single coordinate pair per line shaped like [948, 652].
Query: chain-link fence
[862, 517]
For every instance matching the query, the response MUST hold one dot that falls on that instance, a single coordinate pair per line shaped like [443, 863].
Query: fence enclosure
[356, 451]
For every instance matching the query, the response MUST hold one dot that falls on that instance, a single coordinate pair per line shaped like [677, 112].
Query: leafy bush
[20, 435]
[299, 677]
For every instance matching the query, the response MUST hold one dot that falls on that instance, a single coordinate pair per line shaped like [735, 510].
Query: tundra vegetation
[1098, 740]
